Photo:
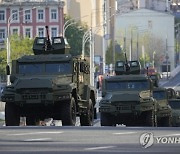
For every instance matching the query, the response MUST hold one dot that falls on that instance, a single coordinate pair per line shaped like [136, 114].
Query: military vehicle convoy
[164, 112]
[127, 97]
[49, 84]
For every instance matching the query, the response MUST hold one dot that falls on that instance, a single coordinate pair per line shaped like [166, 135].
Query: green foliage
[109, 55]
[144, 60]
[74, 35]
[19, 47]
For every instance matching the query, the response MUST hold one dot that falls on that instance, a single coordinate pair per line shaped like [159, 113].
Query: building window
[14, 15]
[2, 15]
[40, 15]
[15, 31]
[54, 32]
[53, 14]
[27, 16]
[41, 32]
[28, 32]
[2, 34]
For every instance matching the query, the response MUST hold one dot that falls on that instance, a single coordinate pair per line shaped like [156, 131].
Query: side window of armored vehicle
[120, 64]
[57, 40]
[74, 67]
[33, 68]
[133, 64]
[159, 95]
[174, 104]
[40, 41]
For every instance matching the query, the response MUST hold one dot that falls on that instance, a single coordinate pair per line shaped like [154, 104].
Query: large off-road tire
[69, 113]
[95, 113]
[150, 118]
[32, 121]
[165, 122]
[12, 116]
[88, 118]
[107, 120]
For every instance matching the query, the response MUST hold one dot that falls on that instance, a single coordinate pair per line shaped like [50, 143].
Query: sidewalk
[2, 116]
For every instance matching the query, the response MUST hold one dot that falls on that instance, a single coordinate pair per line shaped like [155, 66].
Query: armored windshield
[126, 85]
[45, 68]
[175, 104]
[159, 95]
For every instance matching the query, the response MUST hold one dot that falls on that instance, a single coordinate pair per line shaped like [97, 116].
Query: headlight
[108, 96]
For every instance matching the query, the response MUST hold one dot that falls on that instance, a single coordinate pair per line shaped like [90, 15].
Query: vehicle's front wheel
[150, 118]
[88, 118]
[107, 120]
[32, 121]
[165, 122]
[69, 113]
[12, 116]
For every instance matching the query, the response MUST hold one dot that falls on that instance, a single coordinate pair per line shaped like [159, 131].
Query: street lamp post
[10, 19]
[153, 57]
[67, 24]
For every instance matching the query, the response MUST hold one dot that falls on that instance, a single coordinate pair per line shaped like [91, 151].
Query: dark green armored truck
[164, 112]
[49, 84]
[127, 97]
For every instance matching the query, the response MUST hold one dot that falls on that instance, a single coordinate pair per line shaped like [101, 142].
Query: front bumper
[35, 98]
[164, 113]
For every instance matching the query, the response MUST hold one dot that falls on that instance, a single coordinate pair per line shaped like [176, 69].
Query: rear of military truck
[127, 99]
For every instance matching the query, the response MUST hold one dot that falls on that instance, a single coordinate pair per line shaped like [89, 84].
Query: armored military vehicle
[164, 112]
[49, 84]
[175, 106]
[127, 97]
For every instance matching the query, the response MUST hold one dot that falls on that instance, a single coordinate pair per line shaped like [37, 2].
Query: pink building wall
[34, 23]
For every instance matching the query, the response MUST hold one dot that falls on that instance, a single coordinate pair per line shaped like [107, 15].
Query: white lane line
[34, 133]
[168, 135]
[176, 85]
[37, 139]
[100, 148]
[125, 133]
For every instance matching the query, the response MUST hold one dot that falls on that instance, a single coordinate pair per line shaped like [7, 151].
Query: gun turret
[127, 67]
[43, 45]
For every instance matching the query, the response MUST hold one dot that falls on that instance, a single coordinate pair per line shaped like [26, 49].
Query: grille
[34, 94]
[126, 107]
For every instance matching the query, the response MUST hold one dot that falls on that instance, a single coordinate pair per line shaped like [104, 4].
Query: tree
[19, 47]
[74, 35]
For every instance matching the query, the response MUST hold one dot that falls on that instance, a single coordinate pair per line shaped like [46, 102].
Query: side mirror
[97, 85]
[81, 67]
[7, 70]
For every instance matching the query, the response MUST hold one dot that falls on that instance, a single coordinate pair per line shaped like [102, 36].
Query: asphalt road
[84, 140]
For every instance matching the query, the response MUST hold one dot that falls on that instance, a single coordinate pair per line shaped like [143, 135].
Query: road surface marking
[34, 133]
[100, 148]
[37, 139]
[125, 133]
[176, 85]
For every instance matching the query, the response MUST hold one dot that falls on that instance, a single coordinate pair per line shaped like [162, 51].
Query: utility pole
[167, 57]
[137, 45]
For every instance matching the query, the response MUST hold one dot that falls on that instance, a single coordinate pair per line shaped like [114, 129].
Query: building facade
[91, 13]
[159, 26]
[29, 18]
